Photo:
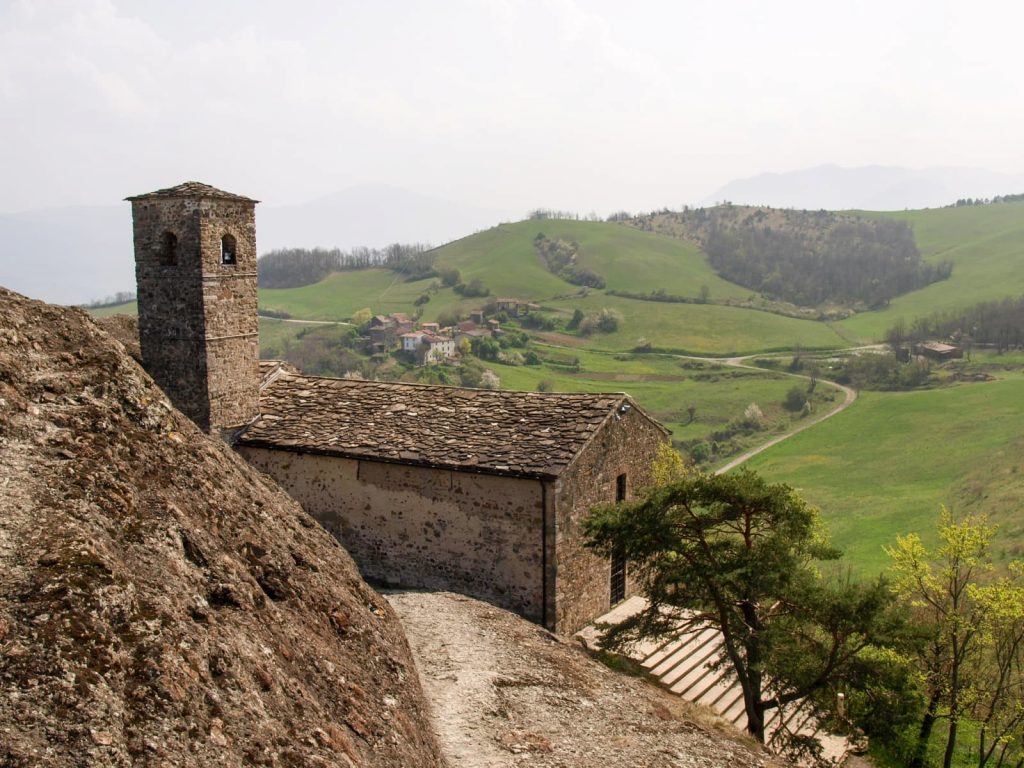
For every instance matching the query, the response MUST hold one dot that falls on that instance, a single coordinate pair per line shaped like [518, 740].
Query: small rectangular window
[620, 488]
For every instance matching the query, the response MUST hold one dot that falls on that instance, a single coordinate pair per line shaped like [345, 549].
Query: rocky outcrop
[161, 603]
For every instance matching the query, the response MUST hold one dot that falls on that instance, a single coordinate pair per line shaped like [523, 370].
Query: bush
[474, 288]
[448, 318]
[605, 321]
[449, 277]
[490, 380]
[545, 385]
[539, 322]
[700, 452]
[422, 299]
[753, 417]
[796, 397]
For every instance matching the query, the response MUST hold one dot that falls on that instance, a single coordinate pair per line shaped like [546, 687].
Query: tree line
[805, 257]
[294, 267]
[968, 201]
[999, 323]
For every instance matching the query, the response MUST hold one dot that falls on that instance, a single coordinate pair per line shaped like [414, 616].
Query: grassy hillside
[884, 466]
[985, 244]
[504, 259]
[628, 259]
[131, 308]
[702, 329]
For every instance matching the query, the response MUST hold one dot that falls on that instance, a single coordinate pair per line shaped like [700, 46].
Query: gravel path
[505, 692]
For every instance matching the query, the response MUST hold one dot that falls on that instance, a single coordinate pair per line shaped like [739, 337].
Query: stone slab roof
[192, 189]
[530, 434]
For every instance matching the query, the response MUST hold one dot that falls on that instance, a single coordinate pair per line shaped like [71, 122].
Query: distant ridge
[874, 187]
[76, 254]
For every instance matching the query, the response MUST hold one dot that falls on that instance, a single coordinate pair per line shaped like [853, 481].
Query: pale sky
[507, 104]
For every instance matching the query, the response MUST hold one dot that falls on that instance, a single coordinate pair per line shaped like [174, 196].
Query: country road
[849, 396]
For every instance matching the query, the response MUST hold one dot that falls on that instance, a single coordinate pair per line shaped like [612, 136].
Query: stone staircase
[685, 665]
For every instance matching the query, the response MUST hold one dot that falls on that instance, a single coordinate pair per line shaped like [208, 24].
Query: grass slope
[985, 244]
[884, 466]
[701, 329]
[628, 259]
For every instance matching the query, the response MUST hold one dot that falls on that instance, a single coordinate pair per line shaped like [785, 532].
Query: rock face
[161, 603]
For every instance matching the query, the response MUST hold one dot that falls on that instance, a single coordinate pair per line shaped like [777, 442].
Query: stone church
[476, 491]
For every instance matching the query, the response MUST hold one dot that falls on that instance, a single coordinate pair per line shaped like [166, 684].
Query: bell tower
[195, 265]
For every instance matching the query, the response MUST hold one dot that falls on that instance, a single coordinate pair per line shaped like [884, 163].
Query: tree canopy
[740, 555]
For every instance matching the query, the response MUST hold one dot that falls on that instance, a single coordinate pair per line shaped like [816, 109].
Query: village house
[936, 350]
[412, 341]
[514, 307]
[481, 492]
[436, 349]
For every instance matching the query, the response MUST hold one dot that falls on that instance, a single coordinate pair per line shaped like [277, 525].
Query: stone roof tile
[192, 189]
[497, 431]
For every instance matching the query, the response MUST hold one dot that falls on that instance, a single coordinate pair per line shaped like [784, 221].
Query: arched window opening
[168, 249]
[228, 249]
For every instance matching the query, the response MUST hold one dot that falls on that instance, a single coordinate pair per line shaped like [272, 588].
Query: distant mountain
[77, 254]
[68, 255]
[876, 188]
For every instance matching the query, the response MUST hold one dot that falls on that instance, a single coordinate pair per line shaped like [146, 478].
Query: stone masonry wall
[625, 445]
[229, 304]
[476, 534]
[197, 317]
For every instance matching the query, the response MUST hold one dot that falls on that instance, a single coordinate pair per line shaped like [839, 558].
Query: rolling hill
[985, 244]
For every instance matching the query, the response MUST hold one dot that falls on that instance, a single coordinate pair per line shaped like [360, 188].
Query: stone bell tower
[195, 265]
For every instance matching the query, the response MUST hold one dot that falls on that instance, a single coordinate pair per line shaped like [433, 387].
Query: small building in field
[937, 350]
[514, 307]
[476, 491]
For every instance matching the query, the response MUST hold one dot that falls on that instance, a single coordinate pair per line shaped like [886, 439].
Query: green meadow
[662, 385]
[700, 329]
[985, 244]
[884, 466]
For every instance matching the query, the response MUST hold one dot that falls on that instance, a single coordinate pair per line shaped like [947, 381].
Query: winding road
[849, 396]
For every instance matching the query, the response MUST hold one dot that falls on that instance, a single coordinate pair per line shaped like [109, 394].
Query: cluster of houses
[428, 343]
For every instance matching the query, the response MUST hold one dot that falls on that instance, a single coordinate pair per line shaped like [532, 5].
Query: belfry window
[228, 249]
[167, 251]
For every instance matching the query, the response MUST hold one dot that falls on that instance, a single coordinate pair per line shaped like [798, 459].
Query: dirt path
[849, 396]
[505, 692]
[309, 322]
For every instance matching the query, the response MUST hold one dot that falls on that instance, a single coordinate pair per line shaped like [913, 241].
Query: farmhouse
[937, 350]
[477, 491]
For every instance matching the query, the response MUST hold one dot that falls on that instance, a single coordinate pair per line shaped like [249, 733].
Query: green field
[340, 294]
[704, 329]
[985, 244]
[628, 259]
[131, 308]
[885, 465]
[664, 386]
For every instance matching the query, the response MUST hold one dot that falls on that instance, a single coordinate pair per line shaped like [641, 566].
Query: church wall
[624, 446]
[476, 534]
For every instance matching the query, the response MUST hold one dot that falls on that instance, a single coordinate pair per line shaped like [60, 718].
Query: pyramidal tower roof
[192, 189]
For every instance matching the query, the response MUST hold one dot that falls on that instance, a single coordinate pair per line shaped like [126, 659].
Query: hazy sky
[503, 103]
